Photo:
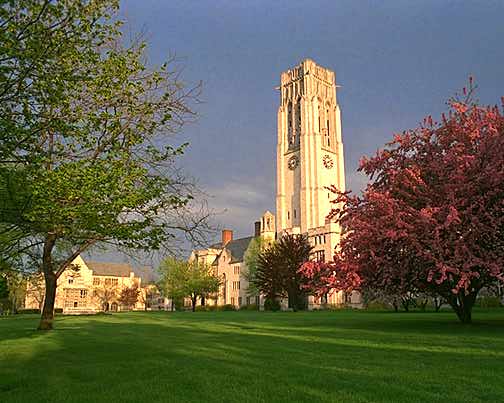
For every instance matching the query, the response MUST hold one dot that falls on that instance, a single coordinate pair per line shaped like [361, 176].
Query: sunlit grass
[341, 356]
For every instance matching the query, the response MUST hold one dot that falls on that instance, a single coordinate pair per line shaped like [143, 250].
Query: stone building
[227, 258]
[88, 288]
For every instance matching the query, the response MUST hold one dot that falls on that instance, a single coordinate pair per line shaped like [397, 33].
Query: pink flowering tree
[432, 219]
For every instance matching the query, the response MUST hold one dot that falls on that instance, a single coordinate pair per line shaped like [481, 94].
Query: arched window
[289, 122]
[298, 122]
[328, 134]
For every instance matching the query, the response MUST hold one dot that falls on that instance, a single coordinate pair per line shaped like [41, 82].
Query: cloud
[237, 205]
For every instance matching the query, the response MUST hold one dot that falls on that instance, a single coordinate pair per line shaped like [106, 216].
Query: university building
[92, 287]
[309, 159]
[227, 259]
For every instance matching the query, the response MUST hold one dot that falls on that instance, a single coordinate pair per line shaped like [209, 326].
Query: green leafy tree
[15, 290]
[277, 273]
[251, 259]
[4, 293]
[188, 279]
[84, 130]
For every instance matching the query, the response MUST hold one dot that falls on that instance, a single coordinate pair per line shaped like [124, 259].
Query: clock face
[293, 162]
[328, 162]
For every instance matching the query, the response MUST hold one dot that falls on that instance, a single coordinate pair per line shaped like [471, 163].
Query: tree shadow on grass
[140, 357]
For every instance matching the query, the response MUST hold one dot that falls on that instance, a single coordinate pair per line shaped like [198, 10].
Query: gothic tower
[309, 150]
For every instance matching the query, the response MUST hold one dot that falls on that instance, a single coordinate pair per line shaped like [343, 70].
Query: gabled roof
[237, 248]
[110, 269]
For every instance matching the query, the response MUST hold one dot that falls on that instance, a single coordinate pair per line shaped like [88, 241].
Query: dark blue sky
[396, 61]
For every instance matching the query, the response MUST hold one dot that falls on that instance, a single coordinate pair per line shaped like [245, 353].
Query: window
[288, 215]
[298, 122]
[320, 256]
[111, 281]
[83, 293]
[70, 280]
[289, 123]
[248, 300]
[75, 304]
[96, 281]
[294, 213]
[236, 269]
[240, 301]
[232, 301]
[328, 136]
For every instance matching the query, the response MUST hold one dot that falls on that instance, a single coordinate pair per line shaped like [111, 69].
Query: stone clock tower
[309, 157]
[309, 150]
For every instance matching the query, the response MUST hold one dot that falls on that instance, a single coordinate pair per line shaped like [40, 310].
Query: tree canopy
[85, 138]
[432, 220]
[278, 275]
[181, 279]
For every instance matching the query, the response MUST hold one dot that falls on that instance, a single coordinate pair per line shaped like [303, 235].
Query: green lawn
[340, 356]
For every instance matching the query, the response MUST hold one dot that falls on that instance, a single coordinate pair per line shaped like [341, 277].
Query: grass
[342, 356]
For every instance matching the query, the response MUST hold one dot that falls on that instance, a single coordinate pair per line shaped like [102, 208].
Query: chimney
[227, 236]
[257, 229]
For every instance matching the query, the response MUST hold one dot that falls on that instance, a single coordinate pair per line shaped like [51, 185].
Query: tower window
[288, 215]
[289, 122]
[328, 128]
[294, 213]
[320, 256]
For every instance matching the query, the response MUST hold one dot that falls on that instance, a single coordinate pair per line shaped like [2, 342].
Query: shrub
[206, 308]
[213, 308]
[488, 302]
[29, 311]
[250, 307]
[378, 306]
[271, 305]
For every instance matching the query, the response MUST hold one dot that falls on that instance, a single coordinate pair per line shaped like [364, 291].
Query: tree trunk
[193, 300]
[462, 305]
[46, 320]
[405, 303]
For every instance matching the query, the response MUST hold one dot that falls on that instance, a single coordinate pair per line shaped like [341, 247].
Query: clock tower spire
[309, 151]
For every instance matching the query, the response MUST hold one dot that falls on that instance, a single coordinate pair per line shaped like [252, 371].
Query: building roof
[217, 245]
[110, 269]
[237, 248]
